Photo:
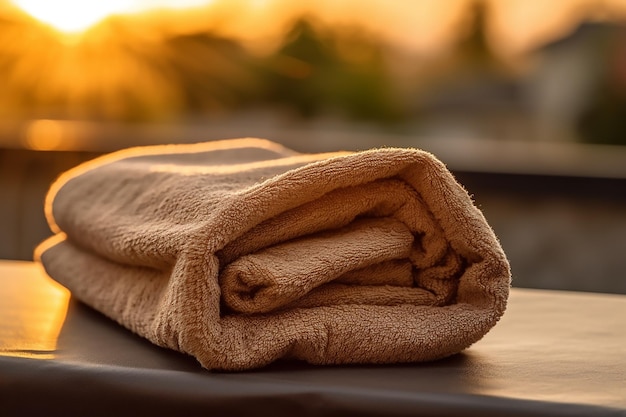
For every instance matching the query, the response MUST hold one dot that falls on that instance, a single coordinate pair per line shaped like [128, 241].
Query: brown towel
[241, 252]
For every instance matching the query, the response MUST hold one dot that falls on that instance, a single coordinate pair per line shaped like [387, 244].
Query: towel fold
[241, 252]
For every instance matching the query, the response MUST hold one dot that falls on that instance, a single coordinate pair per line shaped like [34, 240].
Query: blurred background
[525, 101]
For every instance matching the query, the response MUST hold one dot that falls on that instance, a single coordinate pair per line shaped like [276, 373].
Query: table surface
[553, 353]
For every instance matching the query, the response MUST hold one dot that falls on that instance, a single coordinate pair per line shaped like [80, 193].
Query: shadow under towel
[240, 252]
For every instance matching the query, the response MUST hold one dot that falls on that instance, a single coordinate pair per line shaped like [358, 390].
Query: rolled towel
[241, 252]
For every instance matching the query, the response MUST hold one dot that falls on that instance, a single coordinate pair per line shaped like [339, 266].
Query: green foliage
[604, 120]
[317, 72]
[127, 76]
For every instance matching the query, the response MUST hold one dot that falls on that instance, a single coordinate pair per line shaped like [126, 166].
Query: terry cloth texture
[241, 252]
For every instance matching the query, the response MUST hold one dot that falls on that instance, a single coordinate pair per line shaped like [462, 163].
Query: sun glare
[71, 15]
[74, 16]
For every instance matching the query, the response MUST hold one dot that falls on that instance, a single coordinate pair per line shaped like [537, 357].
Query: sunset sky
[423, 25]
[120, 60]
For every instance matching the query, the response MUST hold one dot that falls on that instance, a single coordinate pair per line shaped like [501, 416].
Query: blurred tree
[474, 50]
[604, 118]
[320, 71]
[298, 71]
[214, 74]
[118, 72]
[468, 70]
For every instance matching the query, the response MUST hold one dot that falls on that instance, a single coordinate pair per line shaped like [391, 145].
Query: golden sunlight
[35, 308]
[44, 135]
[167, 60]
[72, 16]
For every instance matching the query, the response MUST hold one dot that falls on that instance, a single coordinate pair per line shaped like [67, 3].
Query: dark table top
[553, 353]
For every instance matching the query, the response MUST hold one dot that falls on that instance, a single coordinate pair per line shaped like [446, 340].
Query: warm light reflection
[33, 309]
[44, 135]
[227, 169]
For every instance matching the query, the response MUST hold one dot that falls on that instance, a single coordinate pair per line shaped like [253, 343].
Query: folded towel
[241, 252]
